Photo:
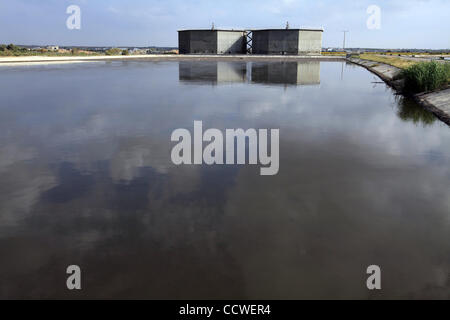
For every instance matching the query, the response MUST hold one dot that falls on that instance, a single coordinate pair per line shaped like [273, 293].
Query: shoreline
[437, 102]
[157, 57]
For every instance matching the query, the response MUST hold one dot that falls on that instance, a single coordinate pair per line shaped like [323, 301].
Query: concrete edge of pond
[160, 57]
[437, 102]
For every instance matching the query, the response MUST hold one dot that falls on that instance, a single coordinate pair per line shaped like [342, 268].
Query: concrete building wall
[310, 42]
[275, 42]
[272, 41]
[203, 41]
[260, 43]
[283, 41]
[197, 41]
[184, 40]
[211, 41]
[231, 42]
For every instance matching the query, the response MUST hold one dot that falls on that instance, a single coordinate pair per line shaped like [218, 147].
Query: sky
[402, 24]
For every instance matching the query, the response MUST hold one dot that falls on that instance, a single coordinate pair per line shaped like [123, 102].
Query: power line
[343, 45]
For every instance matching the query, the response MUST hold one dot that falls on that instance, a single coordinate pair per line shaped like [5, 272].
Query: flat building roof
[231, 30]
[302, 29]
[222, 30]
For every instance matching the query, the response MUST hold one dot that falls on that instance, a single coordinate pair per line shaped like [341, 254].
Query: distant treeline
[11, 49]
[14, 50]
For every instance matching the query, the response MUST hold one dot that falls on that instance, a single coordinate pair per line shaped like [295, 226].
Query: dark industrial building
[267, 41]
[212, 41]
[287, 41]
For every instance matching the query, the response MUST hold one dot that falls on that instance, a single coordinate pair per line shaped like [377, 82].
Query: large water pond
[86, 178]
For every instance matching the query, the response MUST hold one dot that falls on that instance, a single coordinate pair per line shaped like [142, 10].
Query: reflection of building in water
[282, 72]
[212, 72]
[287, 72]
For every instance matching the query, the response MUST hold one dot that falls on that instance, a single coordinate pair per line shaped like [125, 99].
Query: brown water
[86, 178]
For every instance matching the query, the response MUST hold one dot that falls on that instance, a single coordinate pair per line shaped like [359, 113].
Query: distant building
[52, 48]
[287, 41]
[138, 51]
[212, 41]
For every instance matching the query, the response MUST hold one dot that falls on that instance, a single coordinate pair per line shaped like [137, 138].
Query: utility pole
[345, 32]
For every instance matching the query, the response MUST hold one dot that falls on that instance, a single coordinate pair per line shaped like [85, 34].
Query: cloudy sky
[404, 24]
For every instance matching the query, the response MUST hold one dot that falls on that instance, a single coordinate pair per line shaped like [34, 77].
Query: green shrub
[426, 76]
[12, 47]
[113, 52]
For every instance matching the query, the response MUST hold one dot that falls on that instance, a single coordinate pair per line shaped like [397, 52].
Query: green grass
[326, 53]
[418, 76]
[393, 61]
[426, 76]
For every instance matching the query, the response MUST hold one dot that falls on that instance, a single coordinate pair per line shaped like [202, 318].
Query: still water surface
[86, 178]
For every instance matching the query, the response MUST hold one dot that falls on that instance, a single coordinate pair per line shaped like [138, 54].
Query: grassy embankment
[418, 76]
[391, 60]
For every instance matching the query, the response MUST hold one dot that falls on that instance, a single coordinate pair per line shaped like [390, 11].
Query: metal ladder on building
[249, 41]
